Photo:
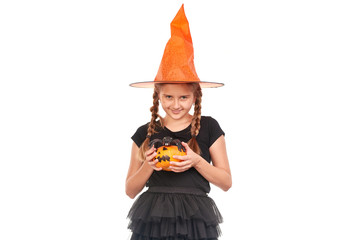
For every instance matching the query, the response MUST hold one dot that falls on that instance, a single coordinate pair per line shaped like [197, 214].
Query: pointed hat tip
[180, 22]
[181, 12]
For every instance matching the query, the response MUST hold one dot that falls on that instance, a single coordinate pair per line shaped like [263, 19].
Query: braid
[152, 125]
[154, 113]
[195, 123]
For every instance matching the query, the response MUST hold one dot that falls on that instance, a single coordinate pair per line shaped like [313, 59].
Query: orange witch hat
[177, 64]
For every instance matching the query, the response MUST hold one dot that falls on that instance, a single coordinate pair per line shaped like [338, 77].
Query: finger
[153, 165]
[175, 168]
[186, 146]
[157, 169]
[150, 151]
[185, 157]
[151, 156]
[179, 169]
[153, 162]
[180, 164]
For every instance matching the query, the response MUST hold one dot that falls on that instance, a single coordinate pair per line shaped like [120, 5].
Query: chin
[176, 116]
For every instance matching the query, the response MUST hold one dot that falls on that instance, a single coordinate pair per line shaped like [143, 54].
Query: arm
[139, 172]
[218, 174]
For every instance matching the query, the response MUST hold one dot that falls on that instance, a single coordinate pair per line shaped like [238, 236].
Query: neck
[177, 124]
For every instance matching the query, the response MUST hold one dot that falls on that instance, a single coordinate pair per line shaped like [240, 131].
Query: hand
[188, 161]
[150, 155]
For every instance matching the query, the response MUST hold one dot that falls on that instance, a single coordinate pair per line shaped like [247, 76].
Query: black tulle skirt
[164, 213]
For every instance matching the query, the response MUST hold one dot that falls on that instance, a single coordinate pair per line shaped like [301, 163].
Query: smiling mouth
[176, 111]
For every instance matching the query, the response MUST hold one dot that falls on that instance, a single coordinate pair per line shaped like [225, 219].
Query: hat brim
[151, 84]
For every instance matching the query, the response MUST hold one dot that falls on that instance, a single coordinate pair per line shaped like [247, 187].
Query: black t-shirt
[209, 132]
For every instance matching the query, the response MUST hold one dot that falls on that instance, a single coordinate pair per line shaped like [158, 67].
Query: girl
[176, 205]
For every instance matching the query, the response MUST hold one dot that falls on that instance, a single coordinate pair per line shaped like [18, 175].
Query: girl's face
[176, 100]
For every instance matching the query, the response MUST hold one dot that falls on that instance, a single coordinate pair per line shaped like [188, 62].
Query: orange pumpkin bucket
[165, 156]
[166, 148]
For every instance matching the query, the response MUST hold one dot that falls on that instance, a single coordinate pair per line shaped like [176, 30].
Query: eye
[168, 96]
[185, 97]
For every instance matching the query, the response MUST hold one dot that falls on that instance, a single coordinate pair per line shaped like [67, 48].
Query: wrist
[147, 168]
[198, 161]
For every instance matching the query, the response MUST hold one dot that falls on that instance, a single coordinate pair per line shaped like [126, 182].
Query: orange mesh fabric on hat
[177, 64]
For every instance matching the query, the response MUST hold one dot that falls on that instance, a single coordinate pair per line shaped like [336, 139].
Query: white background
[289, 108]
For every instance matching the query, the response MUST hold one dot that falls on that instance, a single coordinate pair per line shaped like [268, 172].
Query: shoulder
[140, 134]
[210, 129]
[208, 121]
[143, 128]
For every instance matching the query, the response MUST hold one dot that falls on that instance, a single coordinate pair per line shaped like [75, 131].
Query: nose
[176, 104]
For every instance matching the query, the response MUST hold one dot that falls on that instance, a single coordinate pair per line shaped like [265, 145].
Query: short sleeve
[140, 135]
[214, 130]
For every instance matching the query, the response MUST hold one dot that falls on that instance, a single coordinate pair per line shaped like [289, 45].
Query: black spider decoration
[167, 141]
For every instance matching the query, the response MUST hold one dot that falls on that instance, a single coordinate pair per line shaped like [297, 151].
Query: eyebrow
[186, 95]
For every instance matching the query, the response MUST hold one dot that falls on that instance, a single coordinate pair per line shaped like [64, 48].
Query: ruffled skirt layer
[163, 213]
